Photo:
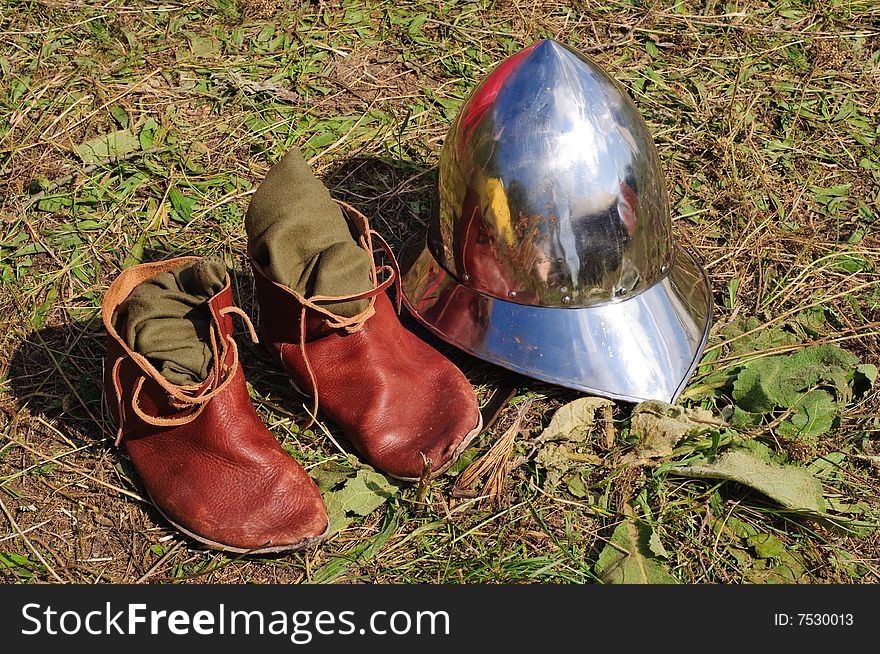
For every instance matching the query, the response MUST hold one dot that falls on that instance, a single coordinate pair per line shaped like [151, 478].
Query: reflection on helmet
[552, 217]
[585, 207]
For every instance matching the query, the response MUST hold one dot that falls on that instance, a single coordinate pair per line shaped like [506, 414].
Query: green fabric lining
[298, 235]
[166, 319]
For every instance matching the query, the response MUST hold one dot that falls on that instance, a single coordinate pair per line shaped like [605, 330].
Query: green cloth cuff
[299, 237]
[166, 319]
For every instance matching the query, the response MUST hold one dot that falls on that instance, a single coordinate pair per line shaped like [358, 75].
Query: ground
[765, 115]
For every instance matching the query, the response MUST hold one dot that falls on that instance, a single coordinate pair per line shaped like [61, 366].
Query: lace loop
[181, 397]
[247, 321]
[356, 322]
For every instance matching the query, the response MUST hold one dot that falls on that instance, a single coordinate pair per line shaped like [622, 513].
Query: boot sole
[269, 549]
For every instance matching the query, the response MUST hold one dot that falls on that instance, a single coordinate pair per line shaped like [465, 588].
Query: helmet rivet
[465, 277]
[566, 300]
[663, 269]
[622, 291]
[511, 294]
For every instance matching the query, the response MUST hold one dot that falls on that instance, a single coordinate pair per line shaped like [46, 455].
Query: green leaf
[108, 146]
[792, 487]
[119, 115]
[744, 419]
[761, 339]
[147, 133]
[863, 378]
[849, 564]
[632, 561]
[820, 358]
[766, 545]
[330, 474]
[790, 569]
[12, 560]
[136, 255]
[656, 546]
[812, 321]
[762, 385]
[813, 415]
[204, 46]
[357, 555]
[361, 495]
[415, 25]
[779, 381]
[576, 485]
[732, 287]
[53, 204]
[42, 312]
[828, 466]
[850, 263]
[183, 206]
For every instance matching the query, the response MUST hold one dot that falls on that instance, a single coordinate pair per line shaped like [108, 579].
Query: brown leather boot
[206, 459]
[397, 400]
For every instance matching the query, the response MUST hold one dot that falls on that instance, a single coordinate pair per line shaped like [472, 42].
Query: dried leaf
[662, 426]
[555, 460]
[575, 421]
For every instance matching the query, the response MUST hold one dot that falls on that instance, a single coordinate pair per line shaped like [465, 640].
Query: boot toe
[440, 436]
[286, 513]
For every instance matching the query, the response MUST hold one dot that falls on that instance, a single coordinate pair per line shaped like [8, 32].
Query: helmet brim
[637, 348]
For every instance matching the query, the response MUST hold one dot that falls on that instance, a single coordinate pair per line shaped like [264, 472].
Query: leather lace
[366, 235]
[194, 397]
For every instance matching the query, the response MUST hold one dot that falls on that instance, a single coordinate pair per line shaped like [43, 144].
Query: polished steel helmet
[551, 253]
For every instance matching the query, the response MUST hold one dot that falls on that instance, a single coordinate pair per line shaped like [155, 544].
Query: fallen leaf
[662, 426]
[556, 461]
[792, 487]
[108, 146]
[360, 496]
[573, 422]
[632, 561]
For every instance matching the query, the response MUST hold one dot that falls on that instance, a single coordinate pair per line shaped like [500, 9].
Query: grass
[766, 118]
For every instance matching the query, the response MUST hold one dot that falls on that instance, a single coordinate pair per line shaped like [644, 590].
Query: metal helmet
[551, 253]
